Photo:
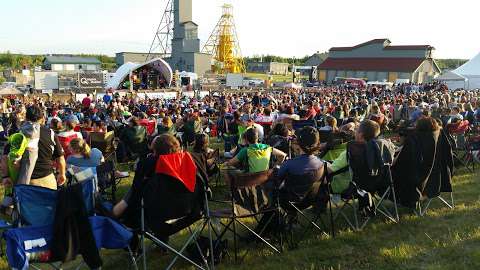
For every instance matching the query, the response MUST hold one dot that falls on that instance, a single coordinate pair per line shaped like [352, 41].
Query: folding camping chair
[425, 201]
[381, 188]
[36, 212]
[185, 209]
[215, 158]
[103, 141]
[303, 192]
[107, 179]
[248, 199]
[65, 142]
[299, 124]
[458, 138]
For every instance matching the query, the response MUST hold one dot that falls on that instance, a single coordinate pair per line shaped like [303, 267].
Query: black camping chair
[248, 199]
[300, 193]
[299, 124]
[379, 188]
[443, 147]
[168, 208]
[103, 141]
[107, 179]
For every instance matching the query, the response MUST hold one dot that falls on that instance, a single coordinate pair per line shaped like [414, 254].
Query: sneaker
[121, 174]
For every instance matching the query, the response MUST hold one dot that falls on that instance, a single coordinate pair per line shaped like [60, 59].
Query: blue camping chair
[36, 208]
[35, 205]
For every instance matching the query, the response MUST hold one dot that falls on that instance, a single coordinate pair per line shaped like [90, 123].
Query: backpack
[200, 250]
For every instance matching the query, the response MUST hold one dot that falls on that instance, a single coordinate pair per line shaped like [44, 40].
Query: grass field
[443, 239]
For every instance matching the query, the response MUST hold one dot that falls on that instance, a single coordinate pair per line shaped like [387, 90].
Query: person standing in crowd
[86, 102]
[49, 150]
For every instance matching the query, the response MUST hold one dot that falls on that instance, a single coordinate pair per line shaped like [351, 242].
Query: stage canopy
[157, 65]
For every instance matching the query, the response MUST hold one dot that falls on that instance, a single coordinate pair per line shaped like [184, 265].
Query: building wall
[371, 75]
[73, 67]
[279, 68]
[202, 63]
[264, 67]
[122, 58]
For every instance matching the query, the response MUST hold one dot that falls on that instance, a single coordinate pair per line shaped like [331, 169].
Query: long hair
[80, 146]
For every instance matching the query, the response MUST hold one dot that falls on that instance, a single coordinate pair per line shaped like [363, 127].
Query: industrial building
[134, 57]
[186, 55]
[316, 59]
[71, 64]
[378, 60]
[274, 68]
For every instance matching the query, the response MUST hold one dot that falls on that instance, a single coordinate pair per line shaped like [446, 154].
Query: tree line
[19, 61]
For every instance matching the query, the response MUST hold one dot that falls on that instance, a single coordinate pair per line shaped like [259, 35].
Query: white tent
[10, 91]
[292, 86]
[453, 80]
[471, 71]
[124, 71]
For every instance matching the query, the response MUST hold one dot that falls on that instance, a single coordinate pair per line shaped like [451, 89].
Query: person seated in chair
[134, 138]
[167, 175]
[280, 138]
[377, 151]
[256, 156]
[82, 155]
[303, 171]
[202, 151]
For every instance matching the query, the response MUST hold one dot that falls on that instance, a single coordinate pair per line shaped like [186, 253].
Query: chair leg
[235, 247]
[258, 236]
[332, 222]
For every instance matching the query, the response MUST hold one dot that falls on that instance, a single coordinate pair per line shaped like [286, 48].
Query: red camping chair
[149, 125]
[65, 142]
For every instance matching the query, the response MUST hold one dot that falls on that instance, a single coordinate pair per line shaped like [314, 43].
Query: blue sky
[281, 27]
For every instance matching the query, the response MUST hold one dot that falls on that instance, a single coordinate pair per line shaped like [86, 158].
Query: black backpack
[200, 250]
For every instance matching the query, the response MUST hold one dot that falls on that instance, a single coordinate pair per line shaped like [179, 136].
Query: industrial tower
[223, 45]
[162, 41]
[177, 39]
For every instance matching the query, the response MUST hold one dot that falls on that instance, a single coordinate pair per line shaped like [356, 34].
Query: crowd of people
[259, 130]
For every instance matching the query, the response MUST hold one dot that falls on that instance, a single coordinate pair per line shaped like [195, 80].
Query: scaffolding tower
[224, 46]
[162, 41]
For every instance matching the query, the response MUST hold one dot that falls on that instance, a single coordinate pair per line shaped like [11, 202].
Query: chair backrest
[103, 141]
[65, 142]
[149, 125]
[106, 174]
[300, 185]
[245, 180]
[299, 124]
[167, 200]
[249, 191]
[88, 191]
[361, 175]
[35, 205]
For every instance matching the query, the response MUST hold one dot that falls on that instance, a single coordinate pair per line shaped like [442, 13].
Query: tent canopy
[124, 71]
[451, 76]
[10, 91]
[471, 68]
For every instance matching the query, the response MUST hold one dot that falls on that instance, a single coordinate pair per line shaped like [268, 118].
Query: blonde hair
[80, 146]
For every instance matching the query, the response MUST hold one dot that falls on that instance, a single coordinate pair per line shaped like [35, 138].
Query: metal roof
[372, 64]
[71, 60]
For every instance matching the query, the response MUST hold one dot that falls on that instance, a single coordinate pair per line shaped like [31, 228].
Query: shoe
[121, 174]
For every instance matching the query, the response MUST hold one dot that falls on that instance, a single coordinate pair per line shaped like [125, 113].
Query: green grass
[443, 239]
